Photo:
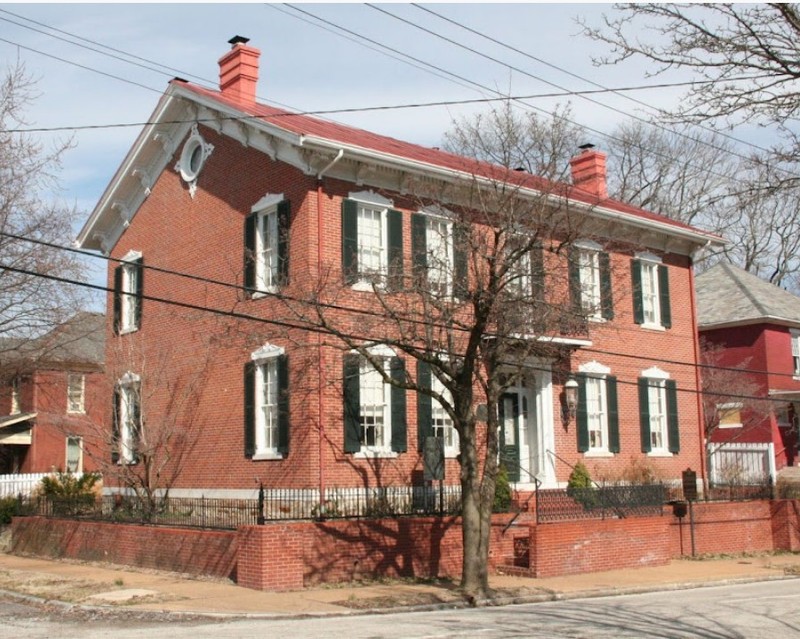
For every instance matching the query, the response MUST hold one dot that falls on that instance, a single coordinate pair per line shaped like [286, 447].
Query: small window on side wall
[128, 293]
[74, 460]
[75, 393]
[266, 244]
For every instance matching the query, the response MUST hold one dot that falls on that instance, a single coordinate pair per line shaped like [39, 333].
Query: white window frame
[266, 408]
[15, 398]
[76, 397]
[520, 283]
[441, 422]
[77, 442]
[193, 157]
[128, 396]
[657, 410]
[729, 406]
[440, 252]
[371, 381]
[651, 293]
[378, 206]
[596, 408]
[589, 277]
[128, 298]
[795, 337]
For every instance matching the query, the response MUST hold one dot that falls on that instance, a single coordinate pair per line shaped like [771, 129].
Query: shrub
[502, 491]
[580, 486]
[12, 507]
[70, 494]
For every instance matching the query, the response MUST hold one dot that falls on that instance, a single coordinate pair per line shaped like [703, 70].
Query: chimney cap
[586, 147]
[237, 39]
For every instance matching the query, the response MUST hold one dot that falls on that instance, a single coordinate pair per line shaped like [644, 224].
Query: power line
[362, 311]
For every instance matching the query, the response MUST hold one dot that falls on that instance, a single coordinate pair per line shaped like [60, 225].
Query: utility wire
[362, 311]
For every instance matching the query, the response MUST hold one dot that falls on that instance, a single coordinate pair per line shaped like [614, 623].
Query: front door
[509, 434]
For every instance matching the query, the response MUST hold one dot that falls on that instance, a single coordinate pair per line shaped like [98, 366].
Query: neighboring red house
[758, 325]
[53, 398]
[215, 175]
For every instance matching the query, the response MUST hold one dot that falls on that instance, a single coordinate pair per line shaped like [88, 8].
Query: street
[749, 611]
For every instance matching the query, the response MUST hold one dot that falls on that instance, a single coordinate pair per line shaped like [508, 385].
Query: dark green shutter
[250, 223]
[283, 404]
[249, 409]
[115, 408]
[424, 405]
[663, 296]
[644, 413]
[350, 241]
[673, 431]
[419, 249]
[397, 371]
[537, 273]
[606, 294]
[394, 224]
[575, 280]
[284, 213]
[460, 269]
[582, 416]
[352, 401]
[638, 303]
[138, 265]
[613, 414]
[117, 299]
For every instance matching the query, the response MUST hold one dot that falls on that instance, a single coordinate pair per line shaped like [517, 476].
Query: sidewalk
[116, 586]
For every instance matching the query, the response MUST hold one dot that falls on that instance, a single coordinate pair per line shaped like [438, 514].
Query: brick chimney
[589, 171]
[238, 71]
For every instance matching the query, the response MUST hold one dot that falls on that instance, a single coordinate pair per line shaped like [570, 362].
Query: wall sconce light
[571, 398]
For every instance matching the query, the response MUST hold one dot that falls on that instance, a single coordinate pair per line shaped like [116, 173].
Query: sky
[130, 51]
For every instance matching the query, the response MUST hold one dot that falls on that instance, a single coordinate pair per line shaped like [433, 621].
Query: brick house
[758, 325]
[216, 175]
[53, 398]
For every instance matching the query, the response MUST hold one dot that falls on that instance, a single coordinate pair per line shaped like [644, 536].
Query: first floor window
[441, 422]
[375, 420]
[74, 461]
[127, 420]
[597, 415]
[267, 404]
[658, 407]
[729, 415]
[75, 393]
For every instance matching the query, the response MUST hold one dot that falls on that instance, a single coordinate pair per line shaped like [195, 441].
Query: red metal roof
[351, 136]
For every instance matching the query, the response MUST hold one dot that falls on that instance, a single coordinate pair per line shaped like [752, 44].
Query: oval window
[193, 157]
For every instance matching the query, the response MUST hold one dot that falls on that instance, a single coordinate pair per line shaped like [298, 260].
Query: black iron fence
[272, 505]
[601, 502]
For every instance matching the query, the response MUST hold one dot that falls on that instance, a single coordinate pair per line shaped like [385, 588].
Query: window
[372, 242]
[590, 281]
[128, 286]
[795, 352]
[267, 404]
[439, 253]
[374, 410]
[75, 392]
[127, 427]
[194, 155]
[266, 261]
[74, 461]
[651, 302]
[658, 412]
[432, 418]
[785, 415]
[729, 415]
[15, 404]
[597, 415]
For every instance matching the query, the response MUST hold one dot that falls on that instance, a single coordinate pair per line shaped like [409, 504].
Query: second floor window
[128, 287]
[372, 243]
[75, 393]
[590, 281]
[266, 256]
[651, 297]
[795, 353]
[15, 402]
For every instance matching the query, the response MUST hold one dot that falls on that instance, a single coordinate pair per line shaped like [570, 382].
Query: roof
[729, 296]
[78, 341]
[316, 146]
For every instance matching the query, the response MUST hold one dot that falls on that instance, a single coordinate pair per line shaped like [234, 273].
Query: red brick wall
[197, 552]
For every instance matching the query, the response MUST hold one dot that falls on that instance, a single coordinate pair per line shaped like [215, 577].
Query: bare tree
[30, 304]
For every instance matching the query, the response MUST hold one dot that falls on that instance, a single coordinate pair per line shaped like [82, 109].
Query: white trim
[587, 245]
[269, 200]
[131, 256]
[371, 198]
[594, 368]
[266, 352]
[129, 378]
[655, 372]
[378, 350]
[646, 256]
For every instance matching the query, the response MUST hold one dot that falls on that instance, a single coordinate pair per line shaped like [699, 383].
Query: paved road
[768, 610]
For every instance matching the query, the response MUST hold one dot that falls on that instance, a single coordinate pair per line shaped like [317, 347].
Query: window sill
[653, 327]
[598, 453]
[367, 287]
[660, 453]
[76, 412]
[721, 427]
[125, 331]
[267, 456]
[263, 292]
[597, 319]
[375, 454]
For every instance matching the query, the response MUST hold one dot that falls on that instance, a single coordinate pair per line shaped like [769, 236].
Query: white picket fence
[13, 485]
[734, 463]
